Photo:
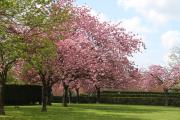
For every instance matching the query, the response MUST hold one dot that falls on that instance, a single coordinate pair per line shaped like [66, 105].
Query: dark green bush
[131, 98]
[22, 94]
[137, 94]
[140, 100]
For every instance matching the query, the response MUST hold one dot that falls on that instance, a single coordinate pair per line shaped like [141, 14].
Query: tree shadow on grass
[70, 113]
[95, 115]
[119, 108]
[85, 112]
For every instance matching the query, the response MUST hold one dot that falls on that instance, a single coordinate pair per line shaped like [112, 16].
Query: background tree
[174, 63]
[174, 57]
[12, 48]
[71, 64]
[41, 62]
[29, 21]
[160, 76]
[99, 45]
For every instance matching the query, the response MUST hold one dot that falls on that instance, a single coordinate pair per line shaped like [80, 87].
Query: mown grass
[92, 112]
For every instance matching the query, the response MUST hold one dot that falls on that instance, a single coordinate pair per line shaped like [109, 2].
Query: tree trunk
[166, 98]
[2, 86]
[49, 101]
[70, 96]
[65, 95]
[98, 94]
[44, 99]
[77, 95]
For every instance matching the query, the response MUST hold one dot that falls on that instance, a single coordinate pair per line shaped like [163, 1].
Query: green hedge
[140, 100]
[138, 94]
[177, 95]
[131, 98]
[124, 100]
[22, 94]
[83, 99]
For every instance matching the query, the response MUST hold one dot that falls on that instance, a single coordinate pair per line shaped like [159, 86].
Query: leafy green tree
[11, 49]
[41, 62]
[41, 35]
[22, 22]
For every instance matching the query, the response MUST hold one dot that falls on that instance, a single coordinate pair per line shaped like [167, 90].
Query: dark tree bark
[65, 95]
[44, 93]
[2, 86]
[166, 97]
[49, 101]
[98, 94]
[77, 95]
[3, 77]
[44, 99]
[70, 96]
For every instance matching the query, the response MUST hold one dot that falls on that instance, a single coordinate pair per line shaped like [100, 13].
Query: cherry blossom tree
[12, 46]
[76, 85]
[72, 64]
[161, 76]
[38, 27]
[101, 47]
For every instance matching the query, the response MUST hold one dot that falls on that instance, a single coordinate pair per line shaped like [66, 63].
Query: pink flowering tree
[40, 34]
[76, 85]
[160, 76]
[97, 47]
[72, 63]
[163, 76]
[31, 75]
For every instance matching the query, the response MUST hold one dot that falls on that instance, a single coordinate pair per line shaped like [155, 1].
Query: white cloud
[136, 4]
[102, 17]
[170, 39]
[166, 58]
[134, 25]
[157, 18]
[158, 12]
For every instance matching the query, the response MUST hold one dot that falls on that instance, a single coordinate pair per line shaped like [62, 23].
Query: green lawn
[92, 112]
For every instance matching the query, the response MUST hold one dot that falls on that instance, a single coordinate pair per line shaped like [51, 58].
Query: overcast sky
[157, 22]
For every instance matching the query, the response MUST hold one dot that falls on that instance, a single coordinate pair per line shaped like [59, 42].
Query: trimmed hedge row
[131, 98]
[138, 94]
[141, 101]
[124, 100]
[22, 94]
[82, 99]
[176, 95]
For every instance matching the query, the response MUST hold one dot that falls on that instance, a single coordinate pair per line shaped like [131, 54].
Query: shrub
[22, 94]
[131, 98]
